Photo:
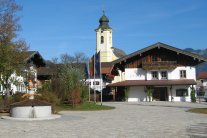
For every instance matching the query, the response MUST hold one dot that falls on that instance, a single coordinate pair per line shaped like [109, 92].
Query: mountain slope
[202, 67]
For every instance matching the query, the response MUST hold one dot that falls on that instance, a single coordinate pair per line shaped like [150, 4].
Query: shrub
[5, 103]
[126, 93]
[50, 98]
[192, 95]
[74, 97]
[149, 92]
[84, 94]
[47, 86]
[17, 97]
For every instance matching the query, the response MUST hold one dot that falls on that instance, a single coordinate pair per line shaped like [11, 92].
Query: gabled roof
[161, 45]
[118, 52]
[34, 57]
[202, 75]
[106, 67]
[30, 54]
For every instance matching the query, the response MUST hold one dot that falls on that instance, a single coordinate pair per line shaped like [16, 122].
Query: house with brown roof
[33, 61]
[202, 81]
[168, 71]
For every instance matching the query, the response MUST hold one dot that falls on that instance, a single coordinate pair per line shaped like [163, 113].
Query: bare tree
[12, 49]
[68, 82]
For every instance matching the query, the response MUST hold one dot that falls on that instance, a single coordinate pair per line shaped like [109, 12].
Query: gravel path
[128, 120]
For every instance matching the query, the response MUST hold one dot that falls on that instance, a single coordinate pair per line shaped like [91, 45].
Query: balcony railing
[157, 65]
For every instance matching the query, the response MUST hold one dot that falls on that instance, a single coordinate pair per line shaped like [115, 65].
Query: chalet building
[33, 61]
[170, 73]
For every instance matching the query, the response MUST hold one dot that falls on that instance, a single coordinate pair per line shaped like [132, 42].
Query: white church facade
[108, 53]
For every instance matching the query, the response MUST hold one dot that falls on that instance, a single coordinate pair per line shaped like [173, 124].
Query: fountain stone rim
[30, 102]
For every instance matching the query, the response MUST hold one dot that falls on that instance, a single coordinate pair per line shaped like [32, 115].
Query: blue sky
[55, 27]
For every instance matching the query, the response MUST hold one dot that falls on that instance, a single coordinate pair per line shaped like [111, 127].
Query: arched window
[102, 39]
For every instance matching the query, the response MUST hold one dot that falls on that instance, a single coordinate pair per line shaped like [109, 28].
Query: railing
[159, 65]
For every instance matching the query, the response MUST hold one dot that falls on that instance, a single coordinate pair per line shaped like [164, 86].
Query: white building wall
[140, 74]
[204, 83]
[190, 73]
[177, 98]
[120, 77]
[105, 48]
[135, 74]
[136, 94]
[96, 86]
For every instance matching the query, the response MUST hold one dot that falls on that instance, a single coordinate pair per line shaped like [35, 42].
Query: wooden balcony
[159, 65]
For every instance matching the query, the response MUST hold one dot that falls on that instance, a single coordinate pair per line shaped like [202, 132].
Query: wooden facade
[158, 56]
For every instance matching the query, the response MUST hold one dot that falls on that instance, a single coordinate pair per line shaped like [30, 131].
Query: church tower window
[102, 39]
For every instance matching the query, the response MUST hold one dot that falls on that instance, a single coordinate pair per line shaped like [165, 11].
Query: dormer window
[102, 39]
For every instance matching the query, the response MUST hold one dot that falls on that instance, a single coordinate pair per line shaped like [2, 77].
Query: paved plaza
[128, 120]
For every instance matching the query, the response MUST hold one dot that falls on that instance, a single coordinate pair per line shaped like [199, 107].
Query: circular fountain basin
[31, 109]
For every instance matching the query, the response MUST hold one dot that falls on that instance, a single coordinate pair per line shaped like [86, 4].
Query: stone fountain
[31, 108]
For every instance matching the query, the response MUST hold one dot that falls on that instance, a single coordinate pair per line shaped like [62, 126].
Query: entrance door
[160, 94]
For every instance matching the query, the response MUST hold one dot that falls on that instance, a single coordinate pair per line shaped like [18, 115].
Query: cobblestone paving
[128, 120]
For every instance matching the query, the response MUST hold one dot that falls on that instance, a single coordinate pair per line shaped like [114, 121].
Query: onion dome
[104, 22]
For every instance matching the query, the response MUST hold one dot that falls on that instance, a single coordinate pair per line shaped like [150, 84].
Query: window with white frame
[154, 75]
[163, 74]
[182, 73]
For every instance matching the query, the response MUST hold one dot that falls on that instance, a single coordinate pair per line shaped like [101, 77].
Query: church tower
[104, 40]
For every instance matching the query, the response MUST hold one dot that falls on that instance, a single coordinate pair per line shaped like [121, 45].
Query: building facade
[168, 71]
[19, 82]
[108, 53]
[104, 43]
[202, 81]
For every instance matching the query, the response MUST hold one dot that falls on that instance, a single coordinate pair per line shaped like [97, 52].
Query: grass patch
[87, 106]
[198, 110]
